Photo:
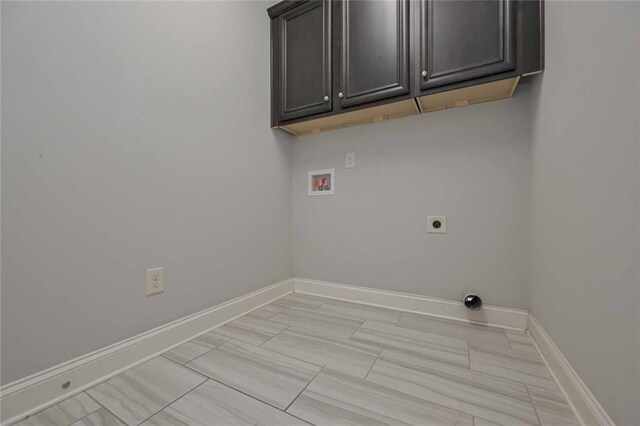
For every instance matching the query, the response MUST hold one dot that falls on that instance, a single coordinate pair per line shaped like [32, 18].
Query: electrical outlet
[437, 224]
[155, 281]
[350, 160]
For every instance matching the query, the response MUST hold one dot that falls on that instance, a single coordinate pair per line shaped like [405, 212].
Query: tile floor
[305, 359]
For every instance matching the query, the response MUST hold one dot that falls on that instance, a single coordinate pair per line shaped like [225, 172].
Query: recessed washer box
[322, 182]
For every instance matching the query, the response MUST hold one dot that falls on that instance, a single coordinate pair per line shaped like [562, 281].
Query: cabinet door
[461, 40]
[304, 53]
[373, 44]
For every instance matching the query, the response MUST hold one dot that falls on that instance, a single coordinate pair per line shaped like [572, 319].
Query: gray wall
[471, 164]
[542, 194]
[585, 190]
[134, 135]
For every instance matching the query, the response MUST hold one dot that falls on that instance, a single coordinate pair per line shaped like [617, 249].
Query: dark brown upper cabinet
[302, 61]
[462, 40]
[372, 49]
[337, 63]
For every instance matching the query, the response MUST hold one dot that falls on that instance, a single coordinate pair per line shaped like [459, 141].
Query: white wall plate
[437, 224]
[155, 281]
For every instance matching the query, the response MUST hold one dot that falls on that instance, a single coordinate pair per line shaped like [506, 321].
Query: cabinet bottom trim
[493, 91]
[362, 116]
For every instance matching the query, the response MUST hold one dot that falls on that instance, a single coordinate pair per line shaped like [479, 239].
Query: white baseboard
[36, 392]
[584, 403]
[443, 308]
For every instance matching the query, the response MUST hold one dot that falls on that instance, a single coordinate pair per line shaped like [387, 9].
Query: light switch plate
[350, 160]
[437, 224]
[155, 281]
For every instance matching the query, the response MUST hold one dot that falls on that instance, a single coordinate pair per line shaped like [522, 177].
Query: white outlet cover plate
[155, 281]
[350, 160]
[443, 224]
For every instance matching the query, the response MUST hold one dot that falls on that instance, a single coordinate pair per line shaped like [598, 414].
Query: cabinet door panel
[374, 50]
[305, 60]
[461, 40]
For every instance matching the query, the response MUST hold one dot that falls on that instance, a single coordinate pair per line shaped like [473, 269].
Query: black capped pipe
[472, 301]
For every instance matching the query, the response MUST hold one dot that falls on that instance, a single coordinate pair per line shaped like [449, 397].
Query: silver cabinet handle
[326, 99]
[340, 95]
[424, 73]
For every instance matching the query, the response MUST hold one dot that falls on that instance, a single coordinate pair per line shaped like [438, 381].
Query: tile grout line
[275, 335]
[181, 396]
[439, 334]
[254, 398]
[500, 377]
[345, 316]
[101, 406]
[373, 363]
[184, 365]
[322, 368]
[293, 305]
[243, 393]
[382, 348]
[461, 411]
[165, 406]
[444, 376]
[293, 357]
[312, 363]
[266, 349]
[469, 348]
[535, 410]
[303, 389]
[457, 410]
[202, 354]
[238, 390]
[175, 400]
[555, 380]
[481, 418]
[356, 330]
[477, 325]
[546, 365]
[209, 349]
[509, 342]
[533, 363]
[30, 416]
[339, 317]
